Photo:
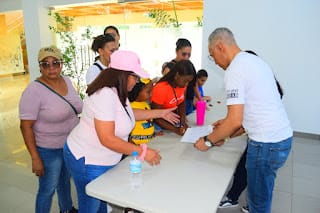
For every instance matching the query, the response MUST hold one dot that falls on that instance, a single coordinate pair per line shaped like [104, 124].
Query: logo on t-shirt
[232, 93]
[175, 100]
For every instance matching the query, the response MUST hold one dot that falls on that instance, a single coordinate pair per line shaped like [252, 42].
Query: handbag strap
[49, 88]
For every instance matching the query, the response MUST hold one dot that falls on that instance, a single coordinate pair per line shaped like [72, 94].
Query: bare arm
[106, 134]
[182, 113]
[238, 132]
[166, 125]
[167, 114]
[197, 92]
[29, 140]
[225, 127]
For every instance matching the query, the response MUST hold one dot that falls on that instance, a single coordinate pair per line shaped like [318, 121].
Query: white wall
[286, 34]
[10, 5]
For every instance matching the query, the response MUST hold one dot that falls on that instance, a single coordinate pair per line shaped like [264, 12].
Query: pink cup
[201, 109]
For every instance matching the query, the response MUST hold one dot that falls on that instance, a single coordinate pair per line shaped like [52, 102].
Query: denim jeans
[56, 177]
[82, 174]
[263, 162]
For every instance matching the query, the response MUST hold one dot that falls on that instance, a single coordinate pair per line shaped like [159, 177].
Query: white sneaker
[228, 203]
[245, 209]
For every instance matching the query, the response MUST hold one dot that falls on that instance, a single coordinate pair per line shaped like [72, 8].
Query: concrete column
[36, 22]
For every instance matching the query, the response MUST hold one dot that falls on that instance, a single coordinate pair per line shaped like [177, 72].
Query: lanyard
[177, 110]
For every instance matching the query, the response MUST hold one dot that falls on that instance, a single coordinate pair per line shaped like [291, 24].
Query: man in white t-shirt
[253, 103]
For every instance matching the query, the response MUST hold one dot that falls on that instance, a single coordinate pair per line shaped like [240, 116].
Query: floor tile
[281, 202]
[307, 156]
[287, 169]
[11, 198]
[305, 204]
[306, 187]
[283, 183]
[306, 171]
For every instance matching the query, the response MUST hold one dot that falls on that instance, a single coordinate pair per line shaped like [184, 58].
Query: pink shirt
[54, 117]
[83, 140]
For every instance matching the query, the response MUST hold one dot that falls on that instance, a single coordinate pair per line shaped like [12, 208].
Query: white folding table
[187, 180]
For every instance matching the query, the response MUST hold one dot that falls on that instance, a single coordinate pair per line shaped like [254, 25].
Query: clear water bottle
[135, 163]
[135, 171]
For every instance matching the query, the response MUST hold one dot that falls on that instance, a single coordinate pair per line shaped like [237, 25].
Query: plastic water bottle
[135, 170]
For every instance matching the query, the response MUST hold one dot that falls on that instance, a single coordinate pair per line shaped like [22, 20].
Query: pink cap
[127, 61]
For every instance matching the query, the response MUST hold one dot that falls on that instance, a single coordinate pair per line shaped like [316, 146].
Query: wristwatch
[207, 142]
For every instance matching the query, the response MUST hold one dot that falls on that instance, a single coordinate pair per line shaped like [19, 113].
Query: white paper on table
[194, 133]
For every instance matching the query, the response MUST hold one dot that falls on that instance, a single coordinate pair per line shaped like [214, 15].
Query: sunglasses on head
[46, 65]
[186, 54]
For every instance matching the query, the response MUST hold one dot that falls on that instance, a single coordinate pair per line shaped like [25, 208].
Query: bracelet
[226, 139]
[144, 151]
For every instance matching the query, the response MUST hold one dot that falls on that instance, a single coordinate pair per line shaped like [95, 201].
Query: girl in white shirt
[104, 45]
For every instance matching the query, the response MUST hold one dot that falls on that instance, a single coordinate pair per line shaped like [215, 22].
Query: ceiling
[132, 6]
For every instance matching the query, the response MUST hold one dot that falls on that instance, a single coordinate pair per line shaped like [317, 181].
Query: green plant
[69, 50]
[175, 21]
[199, 21]
[163, 18]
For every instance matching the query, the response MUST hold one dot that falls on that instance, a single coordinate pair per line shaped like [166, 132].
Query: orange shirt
[163, 94]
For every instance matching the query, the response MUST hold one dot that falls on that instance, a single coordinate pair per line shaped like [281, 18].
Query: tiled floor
[297, 187]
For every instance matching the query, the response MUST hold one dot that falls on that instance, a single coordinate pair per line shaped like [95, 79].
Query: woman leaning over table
[170, 92]
[97, 143]
[46, 119]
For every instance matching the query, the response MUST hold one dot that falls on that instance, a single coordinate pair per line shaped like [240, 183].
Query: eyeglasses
[210, 58]
[46, 65]
[136, 77]
[186, 54]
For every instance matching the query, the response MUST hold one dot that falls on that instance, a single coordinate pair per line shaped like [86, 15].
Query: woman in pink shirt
[48, 112]
[97, 143]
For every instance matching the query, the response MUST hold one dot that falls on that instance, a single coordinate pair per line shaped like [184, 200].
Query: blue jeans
[82, 174]
[263, 162]
[56, 177]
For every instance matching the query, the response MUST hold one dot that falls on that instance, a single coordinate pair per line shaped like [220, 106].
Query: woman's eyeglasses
[46, 65]
[136, 77]
[186, 54]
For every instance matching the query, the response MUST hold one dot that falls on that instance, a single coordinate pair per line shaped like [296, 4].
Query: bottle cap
[135, 154]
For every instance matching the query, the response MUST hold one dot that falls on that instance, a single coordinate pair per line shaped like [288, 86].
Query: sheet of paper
[194, 133]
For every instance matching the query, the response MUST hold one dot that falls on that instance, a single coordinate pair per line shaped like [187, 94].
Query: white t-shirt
[94, 71]
[83, 141]
[250, 81]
